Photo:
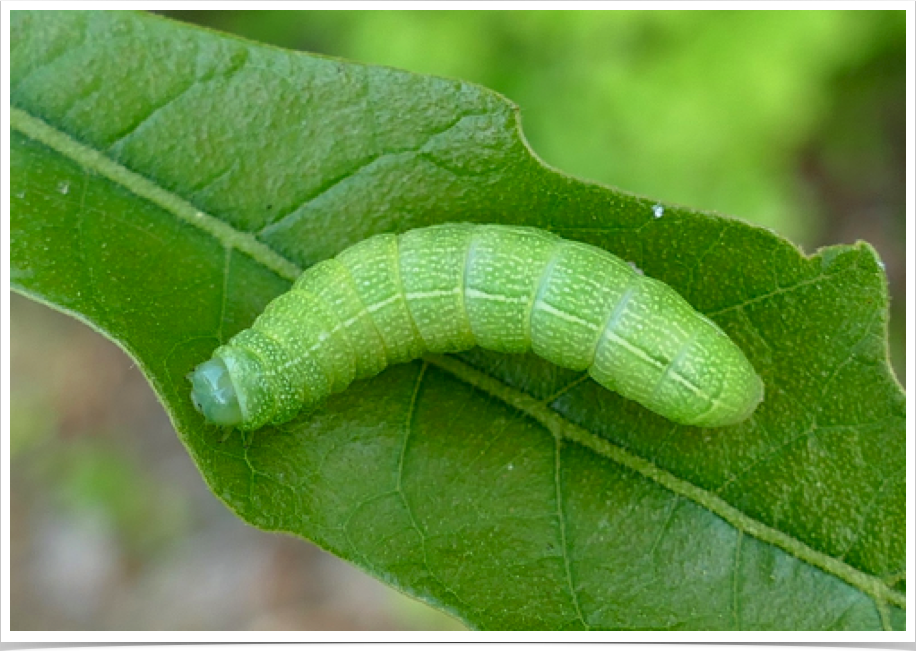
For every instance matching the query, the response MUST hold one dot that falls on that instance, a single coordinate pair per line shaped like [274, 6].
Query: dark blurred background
[794, 120]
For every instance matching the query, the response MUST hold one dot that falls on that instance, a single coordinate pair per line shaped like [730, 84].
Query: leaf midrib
[96, 161]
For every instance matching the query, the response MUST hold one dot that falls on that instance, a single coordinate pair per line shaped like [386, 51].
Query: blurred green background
[790, 119]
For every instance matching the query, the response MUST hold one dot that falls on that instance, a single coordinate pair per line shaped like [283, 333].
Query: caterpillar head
[230, 390]
[214, 393]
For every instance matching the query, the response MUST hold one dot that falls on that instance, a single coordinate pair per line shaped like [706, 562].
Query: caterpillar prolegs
[392, 298]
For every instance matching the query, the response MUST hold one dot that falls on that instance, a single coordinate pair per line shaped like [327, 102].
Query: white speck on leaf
[658, 210]
[636, 269]
[63, 187]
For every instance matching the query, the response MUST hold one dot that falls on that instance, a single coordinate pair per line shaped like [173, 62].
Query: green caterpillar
[392, 298]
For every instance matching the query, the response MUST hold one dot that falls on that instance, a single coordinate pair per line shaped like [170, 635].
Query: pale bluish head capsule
[214, 393]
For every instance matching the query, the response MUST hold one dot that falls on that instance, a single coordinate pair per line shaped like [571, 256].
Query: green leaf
[168, 182]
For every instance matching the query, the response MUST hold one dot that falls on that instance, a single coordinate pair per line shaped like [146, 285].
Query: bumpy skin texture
[448, 288]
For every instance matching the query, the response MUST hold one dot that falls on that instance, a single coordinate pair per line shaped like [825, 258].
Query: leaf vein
[559, 426]
[402, 494]
[769, 295]
[95, 161]
[291, 216]
[561, 521]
